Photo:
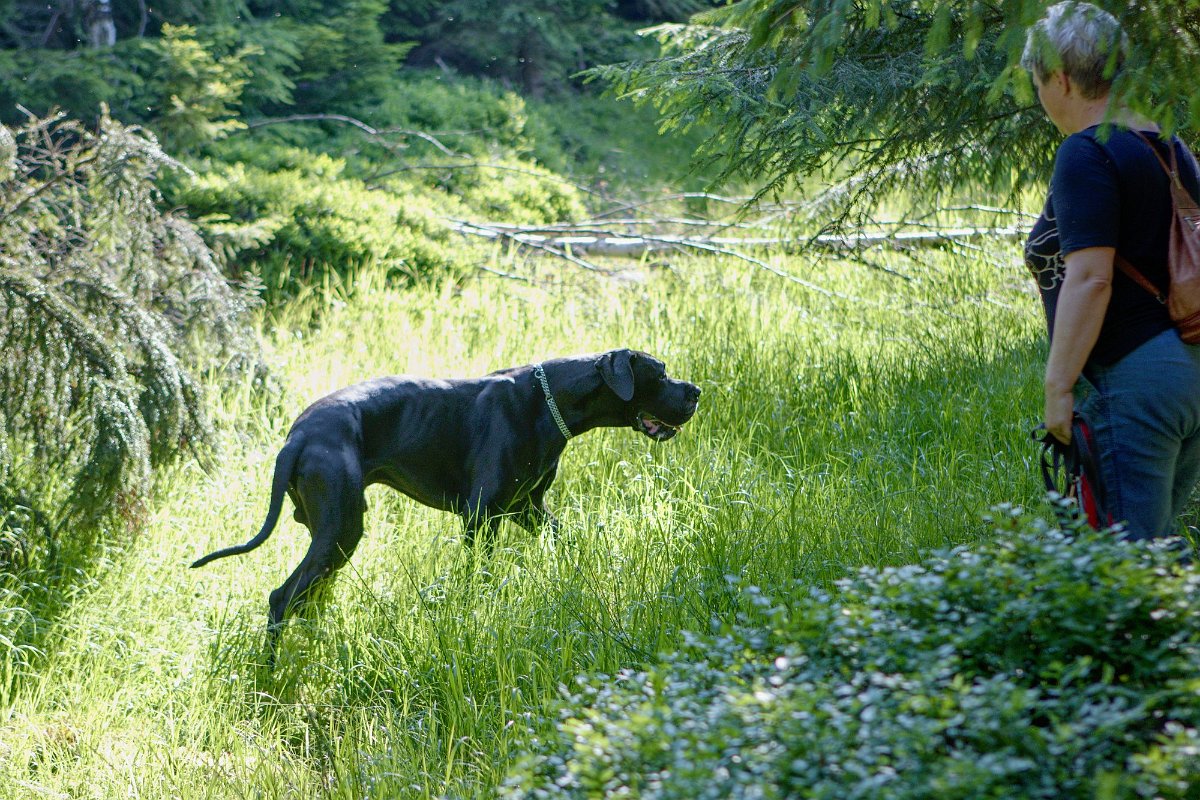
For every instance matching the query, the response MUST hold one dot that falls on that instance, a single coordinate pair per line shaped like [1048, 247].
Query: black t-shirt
[1110, 193]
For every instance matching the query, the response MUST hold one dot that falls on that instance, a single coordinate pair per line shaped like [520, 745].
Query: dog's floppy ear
[616, 368]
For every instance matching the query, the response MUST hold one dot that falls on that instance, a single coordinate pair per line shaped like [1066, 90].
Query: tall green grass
[859, 422]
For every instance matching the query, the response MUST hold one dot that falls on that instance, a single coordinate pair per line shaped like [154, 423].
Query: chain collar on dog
[540, 374]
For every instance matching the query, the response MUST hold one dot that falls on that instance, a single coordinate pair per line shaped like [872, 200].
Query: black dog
[486, 448]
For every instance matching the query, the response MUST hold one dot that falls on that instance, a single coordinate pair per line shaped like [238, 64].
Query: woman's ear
[1064, 82]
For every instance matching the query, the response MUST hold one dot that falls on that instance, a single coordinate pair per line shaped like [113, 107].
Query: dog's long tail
[285, 462]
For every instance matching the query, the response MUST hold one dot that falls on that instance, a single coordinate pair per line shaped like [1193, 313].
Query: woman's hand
[1060, 407]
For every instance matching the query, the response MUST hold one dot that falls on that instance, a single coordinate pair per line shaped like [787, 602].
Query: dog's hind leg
[332, 502]
[298, 514]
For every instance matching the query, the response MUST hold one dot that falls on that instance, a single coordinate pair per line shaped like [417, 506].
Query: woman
[1141, 394]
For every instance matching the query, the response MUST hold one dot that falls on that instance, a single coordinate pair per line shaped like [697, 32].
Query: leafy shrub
[468, 114]
[197, 69]
[466, 145]
[342, 59]
[1040, 664]
[304, 220]
[187, 88]
[191, 94]
[500, 190]
[536, 44]
[76, 82]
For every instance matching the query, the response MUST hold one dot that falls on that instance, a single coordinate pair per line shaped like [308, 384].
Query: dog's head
[657, 405]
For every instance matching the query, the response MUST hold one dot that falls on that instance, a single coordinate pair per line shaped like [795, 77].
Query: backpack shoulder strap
[1137, 277]
[1123, 263]
[1179, 193]
[1172, 169]
[1185, 202]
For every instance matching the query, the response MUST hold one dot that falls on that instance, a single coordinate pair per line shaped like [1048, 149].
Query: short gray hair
[1083, 41]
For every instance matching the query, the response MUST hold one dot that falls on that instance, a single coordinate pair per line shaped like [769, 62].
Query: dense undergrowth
[1041, 663]
[288, 202]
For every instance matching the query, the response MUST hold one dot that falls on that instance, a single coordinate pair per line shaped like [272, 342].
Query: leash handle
[1073, 471]
[540, 374]
[1056, 456]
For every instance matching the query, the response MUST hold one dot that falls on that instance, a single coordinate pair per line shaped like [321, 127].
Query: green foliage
[342, 60]
[613, 147]
[470, 115]
[535, 45]
[1042, 663]
[58, 25]
[502, 190]
[76, 82]
[794, 92]
[661, 10]
[303, 218]
[190, 83]
[923, 97]
[190, 94]
[108, 307]
[193, 73]
[274, 201]
[185, 85]
[271, 51]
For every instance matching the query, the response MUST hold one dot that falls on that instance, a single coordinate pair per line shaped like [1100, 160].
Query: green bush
[604, 141]
[191, 94]
[76, 82]
[499, 190]
[468, 114]
[468, 144]
[298, 223]
[184, 85]
[1040, 664]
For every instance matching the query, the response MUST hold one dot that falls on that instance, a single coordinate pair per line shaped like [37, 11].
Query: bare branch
[357, 123]
[608, 242]
[480, 229]
[477, 165]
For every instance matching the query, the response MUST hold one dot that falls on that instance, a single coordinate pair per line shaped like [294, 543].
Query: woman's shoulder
[1084, 150]
[1116, 143]
[1090, 142]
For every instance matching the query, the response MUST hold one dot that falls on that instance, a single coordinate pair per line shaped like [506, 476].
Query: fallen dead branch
[587, 238]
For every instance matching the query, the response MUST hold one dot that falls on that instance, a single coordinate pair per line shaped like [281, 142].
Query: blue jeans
[1145, 415]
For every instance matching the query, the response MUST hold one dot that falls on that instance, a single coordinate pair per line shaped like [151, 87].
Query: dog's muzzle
[678, 406]
[655, 428]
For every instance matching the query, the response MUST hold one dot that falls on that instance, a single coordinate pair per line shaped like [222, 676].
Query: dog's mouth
[655, 428]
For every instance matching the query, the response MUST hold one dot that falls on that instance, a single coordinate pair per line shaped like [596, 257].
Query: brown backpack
[1182, 297]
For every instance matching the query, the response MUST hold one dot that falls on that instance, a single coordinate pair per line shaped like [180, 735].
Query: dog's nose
[694, 393]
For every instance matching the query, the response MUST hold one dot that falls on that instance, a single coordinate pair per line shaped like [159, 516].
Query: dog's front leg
[532, 514]
[534, 518]
[480, 518]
